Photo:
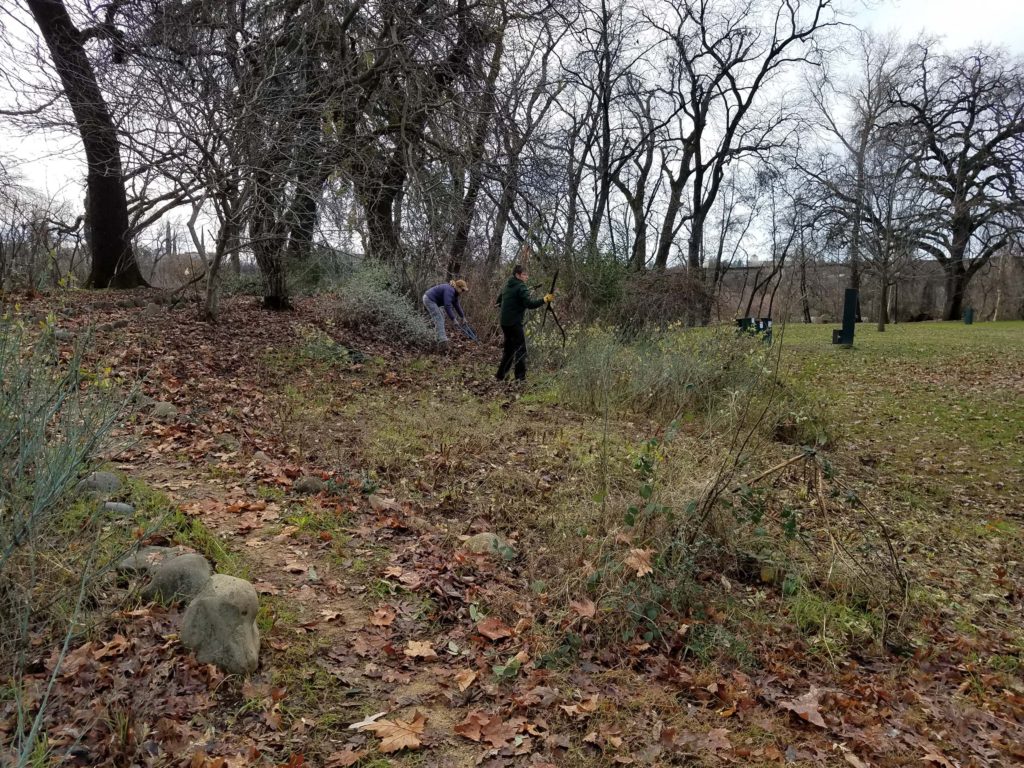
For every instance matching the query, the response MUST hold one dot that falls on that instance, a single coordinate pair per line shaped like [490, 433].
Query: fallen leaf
[491, 729]
[853, 760]
[465, 678]
[397, 734]
[640, 561]
[345, 758]
[330, 616]
[366, 722]
[585, 607]
[493, 629]
[380, 504]
[716, 740]
[420, 649]
[806, 707]
[382, 617]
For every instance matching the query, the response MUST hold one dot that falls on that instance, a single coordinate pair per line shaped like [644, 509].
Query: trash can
[969, 316]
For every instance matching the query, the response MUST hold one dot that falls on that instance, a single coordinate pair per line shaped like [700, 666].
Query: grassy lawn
[938, 407]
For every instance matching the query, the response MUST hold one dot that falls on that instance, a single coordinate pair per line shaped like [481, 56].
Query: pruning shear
[467, 329]
[548, 309]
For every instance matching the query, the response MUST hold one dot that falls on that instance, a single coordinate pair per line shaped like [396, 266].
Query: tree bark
[113, 259]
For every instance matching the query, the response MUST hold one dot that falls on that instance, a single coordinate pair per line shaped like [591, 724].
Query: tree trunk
[883, 304]
[956, 288]
[668, 224]
[113, 259]
[805, 301]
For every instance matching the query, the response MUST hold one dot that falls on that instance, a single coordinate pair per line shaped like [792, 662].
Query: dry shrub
[370, 304]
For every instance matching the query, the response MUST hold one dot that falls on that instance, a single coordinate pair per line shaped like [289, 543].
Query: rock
[164, 410]
[101, 482]
[144, 401]
[490, 544]
[309, 485]
[63, 334]
[177, 578]
[220, 625]
[261, 458]
[120, 322]
[118, 508]
[148, 557]
[227, 442]
[151, 310]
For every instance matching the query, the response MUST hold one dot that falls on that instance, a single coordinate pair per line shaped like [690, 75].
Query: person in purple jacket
[445, 295]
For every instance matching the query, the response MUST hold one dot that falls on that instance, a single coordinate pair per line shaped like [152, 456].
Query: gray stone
[144, 401]
[63, 334]
[147, 557]
[177, 578]
[309, 485]
[261, 458]
[227, 442]
[220, 625]
[120, 322]
[101, 482]
[490, 544]
[118, 508]
[164, 410]
[151, 310]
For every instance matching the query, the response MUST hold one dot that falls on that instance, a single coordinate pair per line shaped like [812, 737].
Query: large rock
[490, 544]
[151, 311]
[309, 485]
[101, 482]
[164, 410]
[146, 558]
[177, 578]
[220, 625]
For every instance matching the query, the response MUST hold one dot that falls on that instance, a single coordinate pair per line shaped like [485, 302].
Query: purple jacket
[446, 296]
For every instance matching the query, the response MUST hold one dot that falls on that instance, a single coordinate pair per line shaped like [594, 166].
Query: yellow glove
[549, 298]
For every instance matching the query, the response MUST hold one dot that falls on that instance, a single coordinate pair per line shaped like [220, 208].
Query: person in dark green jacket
[514, 300]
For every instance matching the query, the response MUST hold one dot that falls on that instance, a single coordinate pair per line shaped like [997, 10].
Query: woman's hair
[460, 285]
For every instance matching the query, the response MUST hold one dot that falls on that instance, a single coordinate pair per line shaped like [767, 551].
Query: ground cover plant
[686, 578]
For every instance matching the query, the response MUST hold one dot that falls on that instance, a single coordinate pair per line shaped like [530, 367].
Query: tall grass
[54, 418]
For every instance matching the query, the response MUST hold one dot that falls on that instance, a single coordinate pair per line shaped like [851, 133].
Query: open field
[570, 650]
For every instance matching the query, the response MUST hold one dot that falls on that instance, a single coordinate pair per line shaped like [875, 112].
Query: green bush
[368, 303]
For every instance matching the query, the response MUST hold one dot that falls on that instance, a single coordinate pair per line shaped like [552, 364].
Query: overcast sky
[960, 22]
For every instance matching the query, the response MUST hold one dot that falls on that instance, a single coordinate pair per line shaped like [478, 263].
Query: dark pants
[514, 352]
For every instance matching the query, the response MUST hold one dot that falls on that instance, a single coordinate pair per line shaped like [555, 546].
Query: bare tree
[113, 260]
[963, 122]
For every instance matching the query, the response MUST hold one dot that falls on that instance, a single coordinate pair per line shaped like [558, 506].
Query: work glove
[549, 298]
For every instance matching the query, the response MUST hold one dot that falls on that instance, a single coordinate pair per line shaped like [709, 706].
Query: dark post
[844, 336]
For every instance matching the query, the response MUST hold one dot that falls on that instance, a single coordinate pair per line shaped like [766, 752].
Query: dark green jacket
[514, 300]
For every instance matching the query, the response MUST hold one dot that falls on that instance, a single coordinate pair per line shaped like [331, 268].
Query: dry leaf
[465, 678]
[420, 649]
[853, 760]
[366, 722]
[806, 707]
[380, 504]
[716, 741]
[493, 629]
[585, 607]
[382, 617]
[398, 734]
[345, 758]
[640, 561]
[480, 726]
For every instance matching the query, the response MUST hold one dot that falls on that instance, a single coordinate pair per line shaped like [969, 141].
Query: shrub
[54, 416]
[368, 303]
[663, 376]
